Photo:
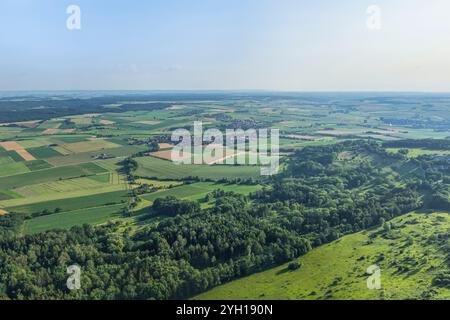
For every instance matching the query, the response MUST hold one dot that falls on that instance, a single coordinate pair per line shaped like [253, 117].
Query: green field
[408, 257]
[162, 169]
[69, 204]
[37, 165]
[9, 169]
[416, 152]
[93, 183]
[84, 157]
[336, 178]
[66, 220]
[52, 174]
[197, 191]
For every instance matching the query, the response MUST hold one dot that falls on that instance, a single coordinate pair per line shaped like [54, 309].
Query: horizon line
[226, 91]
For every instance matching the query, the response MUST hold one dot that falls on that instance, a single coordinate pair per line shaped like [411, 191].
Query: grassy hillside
[410, 251]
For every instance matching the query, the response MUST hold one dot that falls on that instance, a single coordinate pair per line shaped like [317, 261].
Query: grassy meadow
[408, 256]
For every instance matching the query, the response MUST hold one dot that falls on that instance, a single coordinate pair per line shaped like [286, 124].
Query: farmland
[197, 191]
[68, 219]
[96, 172]
[53, 174]
[163, 169]
[416, 152]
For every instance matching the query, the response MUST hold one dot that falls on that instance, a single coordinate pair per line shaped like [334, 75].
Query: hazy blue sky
[225, 44]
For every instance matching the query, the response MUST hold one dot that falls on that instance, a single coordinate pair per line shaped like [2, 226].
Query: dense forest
[324, 193]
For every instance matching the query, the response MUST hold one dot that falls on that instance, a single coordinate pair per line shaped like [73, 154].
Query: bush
[295, 265]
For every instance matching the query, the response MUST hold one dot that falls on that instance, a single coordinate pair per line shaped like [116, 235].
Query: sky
[288, 45]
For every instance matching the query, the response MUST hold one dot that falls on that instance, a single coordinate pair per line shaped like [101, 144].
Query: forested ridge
[324, 193]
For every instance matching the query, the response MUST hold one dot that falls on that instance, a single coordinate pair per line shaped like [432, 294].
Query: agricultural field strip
[337, 270]
[74, 203]
[157, 168]
[14, 168]
[14, 146]
[88, 146]
[60, 196]
[68, 219]
[85, 157]
[63, 186]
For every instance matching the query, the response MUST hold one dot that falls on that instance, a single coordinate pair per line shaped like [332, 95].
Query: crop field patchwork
[14, 146]
[343, 199]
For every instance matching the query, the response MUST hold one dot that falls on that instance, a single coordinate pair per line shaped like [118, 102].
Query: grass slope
[409, 256]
